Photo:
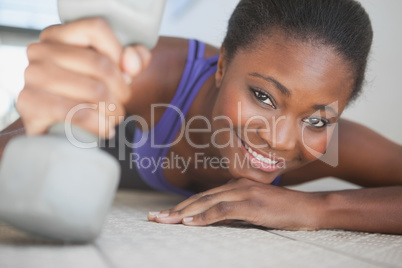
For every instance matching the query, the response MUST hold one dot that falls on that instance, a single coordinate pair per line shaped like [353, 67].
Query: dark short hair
[342, 24]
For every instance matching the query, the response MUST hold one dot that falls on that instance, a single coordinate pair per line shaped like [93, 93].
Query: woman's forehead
[301, 66]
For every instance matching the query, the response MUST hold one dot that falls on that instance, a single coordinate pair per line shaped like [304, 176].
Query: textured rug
[129, 240]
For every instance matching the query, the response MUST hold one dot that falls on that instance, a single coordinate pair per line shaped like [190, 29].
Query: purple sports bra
[152, 146]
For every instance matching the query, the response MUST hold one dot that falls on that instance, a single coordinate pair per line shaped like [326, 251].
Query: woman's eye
[263, 97]
[316, 122]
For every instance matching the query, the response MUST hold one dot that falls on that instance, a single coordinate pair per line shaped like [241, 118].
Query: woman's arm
[366, 158]
[368, 210]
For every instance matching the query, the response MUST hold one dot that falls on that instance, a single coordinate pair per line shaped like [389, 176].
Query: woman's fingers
[94, 33]
[77, 64]
[52, 94]
[37, 120]
[250, 201]
[232, 184]
[135, 59]
[225, 211]
[56, 62]
[196, 197]
[222, 211]
[198, 206]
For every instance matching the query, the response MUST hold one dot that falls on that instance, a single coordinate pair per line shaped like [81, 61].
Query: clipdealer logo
[330, 156]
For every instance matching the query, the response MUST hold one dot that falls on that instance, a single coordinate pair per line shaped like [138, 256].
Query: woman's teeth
[260, 157]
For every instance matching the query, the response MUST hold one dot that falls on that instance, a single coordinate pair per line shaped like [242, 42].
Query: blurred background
[379, 107]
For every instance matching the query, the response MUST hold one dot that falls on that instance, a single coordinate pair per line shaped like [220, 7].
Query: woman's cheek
[227, 110]
[314, 144]
[224, 118]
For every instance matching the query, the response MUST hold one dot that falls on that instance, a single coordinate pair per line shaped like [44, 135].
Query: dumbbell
[60, 185]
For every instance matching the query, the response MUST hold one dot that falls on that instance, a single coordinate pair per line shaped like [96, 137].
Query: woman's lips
[266, 163]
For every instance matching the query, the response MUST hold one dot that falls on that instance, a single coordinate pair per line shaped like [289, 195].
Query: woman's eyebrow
[325, 108]
[272, 80]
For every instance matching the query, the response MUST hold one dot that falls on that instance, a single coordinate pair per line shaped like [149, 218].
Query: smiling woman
[284, 81]
[226, 126]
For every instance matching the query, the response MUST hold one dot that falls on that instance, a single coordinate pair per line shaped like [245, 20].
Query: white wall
[205, 20]
[379, 107]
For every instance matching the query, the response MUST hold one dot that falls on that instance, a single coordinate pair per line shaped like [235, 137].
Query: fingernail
[189, 219]
[133, 63]
[127, 78]
[154, 213]
[163, 215]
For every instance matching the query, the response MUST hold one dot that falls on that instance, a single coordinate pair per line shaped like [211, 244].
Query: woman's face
[277, 106]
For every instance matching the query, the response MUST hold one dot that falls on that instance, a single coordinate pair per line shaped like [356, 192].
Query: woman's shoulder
[210, 50]
[178, 48]
[159, 81]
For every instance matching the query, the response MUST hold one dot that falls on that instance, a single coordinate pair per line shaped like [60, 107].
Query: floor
[129, 240]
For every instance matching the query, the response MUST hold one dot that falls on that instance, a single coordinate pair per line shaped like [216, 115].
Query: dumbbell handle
[133, 21]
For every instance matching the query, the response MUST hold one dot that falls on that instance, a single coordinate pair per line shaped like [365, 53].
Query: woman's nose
[281, 135]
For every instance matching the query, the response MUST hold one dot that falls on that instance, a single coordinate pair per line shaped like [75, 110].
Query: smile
[261, 158]
[266, 163]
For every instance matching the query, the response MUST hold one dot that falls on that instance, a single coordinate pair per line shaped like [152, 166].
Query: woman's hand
[79, 63]
[247, 200]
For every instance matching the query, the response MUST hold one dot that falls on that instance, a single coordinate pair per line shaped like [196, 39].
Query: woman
[227, 127]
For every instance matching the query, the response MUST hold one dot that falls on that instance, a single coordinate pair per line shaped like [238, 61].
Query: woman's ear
[220, 73]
